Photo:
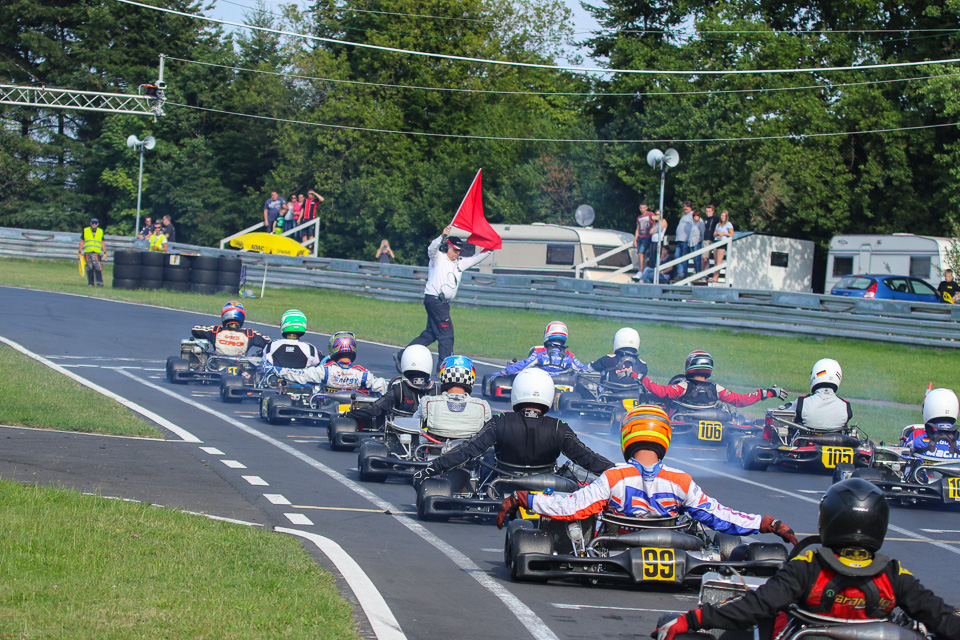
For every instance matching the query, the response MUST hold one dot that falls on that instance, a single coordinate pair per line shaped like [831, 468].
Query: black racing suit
[819, 584]
[520, 440]
[401, 398]
[623, 360]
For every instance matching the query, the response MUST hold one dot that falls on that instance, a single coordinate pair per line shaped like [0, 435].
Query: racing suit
[623, 491]
[230, 342]
[337, 376]
[452, 416]
[527, 439]
[858, 593]
[551, 359]
[624, 360]
[823, 410]
[400, 399]
[701, 393]
[934, 442]
[292, 354]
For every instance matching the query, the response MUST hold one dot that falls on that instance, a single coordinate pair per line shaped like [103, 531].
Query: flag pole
[475, 178]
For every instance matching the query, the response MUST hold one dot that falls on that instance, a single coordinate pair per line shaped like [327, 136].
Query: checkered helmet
[457, 371]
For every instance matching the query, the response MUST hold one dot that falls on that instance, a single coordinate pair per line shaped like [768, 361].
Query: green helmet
[293, 321]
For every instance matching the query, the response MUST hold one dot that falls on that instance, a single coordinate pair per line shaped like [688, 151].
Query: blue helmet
[232, 312]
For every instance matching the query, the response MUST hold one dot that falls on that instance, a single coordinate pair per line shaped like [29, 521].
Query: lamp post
[147, 143]
[661, 160]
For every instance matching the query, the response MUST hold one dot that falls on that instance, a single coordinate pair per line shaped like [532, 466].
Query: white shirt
[444, 274]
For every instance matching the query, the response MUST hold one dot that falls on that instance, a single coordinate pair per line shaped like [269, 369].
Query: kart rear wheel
[227, 382]
[726, 543]
[275, 404]
[748, 455]
[528, 541]
[512, 527]
[265, 401]
[368, 449]
[734, 447]
[432, 487]
[175, 365]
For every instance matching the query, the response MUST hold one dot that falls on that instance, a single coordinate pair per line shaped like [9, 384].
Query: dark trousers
[439, 328]
[94, 268]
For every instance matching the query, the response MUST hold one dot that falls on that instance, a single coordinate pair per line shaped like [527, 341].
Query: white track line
[537, 628]
[185, 435]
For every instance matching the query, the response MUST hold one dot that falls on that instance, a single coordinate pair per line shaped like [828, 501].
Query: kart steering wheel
[677, 379]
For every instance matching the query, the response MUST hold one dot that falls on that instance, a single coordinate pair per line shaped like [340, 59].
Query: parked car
[884, 287]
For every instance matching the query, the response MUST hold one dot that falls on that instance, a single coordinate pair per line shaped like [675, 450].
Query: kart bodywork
[606, 402]
[403, 450]
[199, 362]
[307, 403]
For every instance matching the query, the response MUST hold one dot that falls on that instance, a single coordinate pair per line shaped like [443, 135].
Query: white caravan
[902, 254]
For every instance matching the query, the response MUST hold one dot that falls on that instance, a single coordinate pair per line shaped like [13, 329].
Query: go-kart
[496, 387]
[307, 403]
[662, 551]
[593, 399]
[785, 443]
[400, 453]
[909, 477]
[476, 490]
[246, 385]
[717, 424]
[199, 362]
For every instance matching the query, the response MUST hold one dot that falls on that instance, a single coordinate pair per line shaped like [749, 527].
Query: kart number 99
[659, 564]
[953, 488]
[710, 430]
[832, 456]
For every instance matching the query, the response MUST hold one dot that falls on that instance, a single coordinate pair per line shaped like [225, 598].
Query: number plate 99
[659, 564]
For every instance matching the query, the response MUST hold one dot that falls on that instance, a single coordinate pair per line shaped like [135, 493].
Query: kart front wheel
[368, 450]
[748, 455]
[274, 406]
[175, 366]
[228, 382]
[432, 487]
[528, 541]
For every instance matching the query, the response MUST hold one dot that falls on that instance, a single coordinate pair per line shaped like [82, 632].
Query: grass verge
[82, 567]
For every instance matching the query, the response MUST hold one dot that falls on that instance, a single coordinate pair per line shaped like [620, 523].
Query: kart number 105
[710, 430]
[659, 564]
[953, 488]
[832, 456]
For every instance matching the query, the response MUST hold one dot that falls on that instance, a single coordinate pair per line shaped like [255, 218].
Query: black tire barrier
[173, 274]
[231, 278]
[177, 261]
[228, 288]
[205, 289]
[153, 259]
[205, 263]
[123, 283]
[230, 265]
[177, 286]
[126, 271]
[151, 273]
[203, 276]
[127, 257]
[151, 284]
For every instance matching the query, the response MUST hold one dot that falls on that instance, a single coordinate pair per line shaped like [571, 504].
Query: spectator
[683, 231]
[724, 230]
[695, 240]
[298, 201]
[655, 232]
[710, 222]
[948, 288]
[93, 251]
[158, 239]
[310, 212]
[147, 228]
[288, 215]
[665, 274]
[641, 237]
[169, 230]
[271, 210]
[384, 253]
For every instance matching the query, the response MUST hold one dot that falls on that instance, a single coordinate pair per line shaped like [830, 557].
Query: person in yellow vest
[158, 239]
[93, 251]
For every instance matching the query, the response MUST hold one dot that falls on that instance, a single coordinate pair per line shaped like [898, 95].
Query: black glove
[776, 392]
[421, 475]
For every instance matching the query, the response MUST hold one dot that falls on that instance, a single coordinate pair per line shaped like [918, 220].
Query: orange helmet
[646, 426]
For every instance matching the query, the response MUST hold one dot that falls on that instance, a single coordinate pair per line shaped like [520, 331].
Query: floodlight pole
[663, 182]
[136, 226]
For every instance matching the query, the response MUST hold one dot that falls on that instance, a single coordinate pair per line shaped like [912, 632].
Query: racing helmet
[646, 426]
[853, 513]
[232, 312]
[293, 321]
[826, 371]
[555, 334]
[626, 338]
[698, 363]
[457, 371]
[343, 344]
[416, 363]
[533, 386]
[940, 406]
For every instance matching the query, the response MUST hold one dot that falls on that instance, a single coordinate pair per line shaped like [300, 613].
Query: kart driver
[553, 357]
[822, 409]
[522, 438]
[339, 373]
[643, 486]
[404, 394]
[454, 414]
[228, 338]
[695, 391]
[845, 578]
[623, 361]
[938, 437]
[289, 352]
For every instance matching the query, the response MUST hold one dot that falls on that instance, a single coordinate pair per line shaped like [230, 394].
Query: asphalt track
[439, 579]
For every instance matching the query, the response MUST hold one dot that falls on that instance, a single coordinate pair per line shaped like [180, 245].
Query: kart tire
[748, 455]
[432, 487]
[176, 364]
[151, 273]
[512, 527]
[368, 449]
[340, 424]
[126, 258]
[126, 271]
[177, 286]
[528, 541]
[228, 381]
[733, 448]
[203, 276]
[226, 288]
[120, 283]
[566, 399]
[869, 474]
[757, 551]
[204, 289]
[265, 401]
[226, 264]
[229, 277]
[276, 403]
[726, 543]
[205, 263]
[176, 274]
[615, 419]
[677, 379]
[842, 471]
[151, 284]
[152, 259]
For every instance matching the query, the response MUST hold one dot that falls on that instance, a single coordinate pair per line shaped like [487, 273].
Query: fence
[771, 312]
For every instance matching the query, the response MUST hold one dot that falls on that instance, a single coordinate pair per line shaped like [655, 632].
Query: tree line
[392, 140]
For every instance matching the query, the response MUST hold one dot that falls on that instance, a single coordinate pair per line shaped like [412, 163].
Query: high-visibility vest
[157, 241]
[92, 241]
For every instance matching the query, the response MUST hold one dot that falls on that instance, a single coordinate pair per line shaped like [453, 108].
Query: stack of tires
[203, 275]
[177, 272]
[126, 269]
[228, 275]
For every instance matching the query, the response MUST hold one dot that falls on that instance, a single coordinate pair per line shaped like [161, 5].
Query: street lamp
[147, 143]
[661, 160]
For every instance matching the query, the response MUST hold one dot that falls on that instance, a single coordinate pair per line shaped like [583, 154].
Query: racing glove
[510, 506]
[769, 525]
[690, 621]
[422, 474]
[773, 392]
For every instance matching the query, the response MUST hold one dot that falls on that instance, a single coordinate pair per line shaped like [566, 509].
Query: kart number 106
[710, 430]
[659, 564]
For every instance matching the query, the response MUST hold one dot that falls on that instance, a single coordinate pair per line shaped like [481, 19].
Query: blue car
[885, 287]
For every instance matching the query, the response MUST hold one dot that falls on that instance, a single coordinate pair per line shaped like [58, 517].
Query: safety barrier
[774, 312]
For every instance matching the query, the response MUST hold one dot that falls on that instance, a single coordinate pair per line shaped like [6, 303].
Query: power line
[533, 65]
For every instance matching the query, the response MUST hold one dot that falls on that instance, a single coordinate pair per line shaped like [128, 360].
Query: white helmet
[533, 386]
[826, 371]
[416, 364]
[940, 405]
[626, 338]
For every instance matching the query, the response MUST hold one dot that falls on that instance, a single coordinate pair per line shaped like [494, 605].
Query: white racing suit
[623, 491]
[822, 410]
[292, 354]
[452, 416]
[337, 376]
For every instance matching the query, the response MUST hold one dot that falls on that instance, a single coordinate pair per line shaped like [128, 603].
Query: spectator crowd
[694, 232]
[280, 214]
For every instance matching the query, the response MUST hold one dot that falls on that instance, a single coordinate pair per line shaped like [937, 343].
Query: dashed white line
[213, 451]
[233, 464]
[276, 498]
[577, 607]
[299, 518]
[256, 481]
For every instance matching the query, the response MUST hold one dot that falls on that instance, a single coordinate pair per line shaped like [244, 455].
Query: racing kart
[399, 454]
[909, 477]
[496, 387]
[245, 385]
[199, 362]
[786, 443]
[593, 399]
[307, 403]
[658, 551]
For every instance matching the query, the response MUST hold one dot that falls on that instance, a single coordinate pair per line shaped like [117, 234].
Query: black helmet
[698, 363]
[455, 242]
[853, 513]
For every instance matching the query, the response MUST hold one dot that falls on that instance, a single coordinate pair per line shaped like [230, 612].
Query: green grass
[34, 396]
[744, 360]
[82, 567]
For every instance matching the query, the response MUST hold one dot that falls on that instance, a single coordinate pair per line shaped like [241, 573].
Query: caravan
[903, 254]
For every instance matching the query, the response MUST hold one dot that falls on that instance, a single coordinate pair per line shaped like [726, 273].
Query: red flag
[470, 218]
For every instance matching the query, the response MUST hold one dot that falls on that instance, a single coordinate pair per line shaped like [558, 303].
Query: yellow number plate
[659, 564]
[832, 456]
[343, 408]
[630, 403]
[232, 370]
[710, 430]
[529, 515]
[953, 488]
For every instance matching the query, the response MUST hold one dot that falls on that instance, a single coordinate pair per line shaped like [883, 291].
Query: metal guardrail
[776, 312]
